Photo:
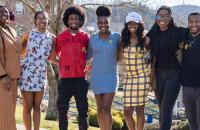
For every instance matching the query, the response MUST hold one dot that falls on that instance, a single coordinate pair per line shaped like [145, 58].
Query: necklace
[191, 42]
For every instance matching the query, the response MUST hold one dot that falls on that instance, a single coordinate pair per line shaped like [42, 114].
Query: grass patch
[50, 125]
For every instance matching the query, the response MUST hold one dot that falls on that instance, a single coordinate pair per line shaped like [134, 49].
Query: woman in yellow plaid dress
[137, 82]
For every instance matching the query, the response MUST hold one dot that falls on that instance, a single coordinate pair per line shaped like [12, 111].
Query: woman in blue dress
[103, 48]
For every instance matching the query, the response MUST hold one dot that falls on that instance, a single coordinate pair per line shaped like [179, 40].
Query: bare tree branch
[26, 2]
[121, 4]
[66, 3]
[41, 4]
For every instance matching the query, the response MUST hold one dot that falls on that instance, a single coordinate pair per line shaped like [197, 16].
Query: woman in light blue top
[103, 48]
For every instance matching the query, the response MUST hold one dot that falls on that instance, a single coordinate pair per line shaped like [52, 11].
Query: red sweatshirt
[71, 51]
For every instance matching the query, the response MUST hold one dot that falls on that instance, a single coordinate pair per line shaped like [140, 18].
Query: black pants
[191, 100]
[77, 87]
[167, 90]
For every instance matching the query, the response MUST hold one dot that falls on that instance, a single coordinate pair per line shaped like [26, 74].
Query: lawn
[50, 125]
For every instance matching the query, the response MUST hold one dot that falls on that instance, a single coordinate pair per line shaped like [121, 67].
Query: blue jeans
[77, 87]
[167, 90]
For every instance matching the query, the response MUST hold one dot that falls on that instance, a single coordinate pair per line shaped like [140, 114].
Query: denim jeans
[191, 100]
[77, 87]
[167, 90]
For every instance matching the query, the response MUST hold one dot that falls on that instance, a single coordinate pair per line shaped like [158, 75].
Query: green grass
[50, 125]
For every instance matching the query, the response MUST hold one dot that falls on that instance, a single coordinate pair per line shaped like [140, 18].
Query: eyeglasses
[158, 17]
[42, 18]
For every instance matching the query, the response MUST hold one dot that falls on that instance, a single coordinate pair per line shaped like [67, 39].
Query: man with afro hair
[71, 46]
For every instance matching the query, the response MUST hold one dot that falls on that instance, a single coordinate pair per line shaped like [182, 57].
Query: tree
[55, 9]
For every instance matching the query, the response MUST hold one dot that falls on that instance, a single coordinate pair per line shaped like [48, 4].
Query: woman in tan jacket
[9, 71]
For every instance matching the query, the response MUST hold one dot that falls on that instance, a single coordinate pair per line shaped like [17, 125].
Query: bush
[93, 117]
[118, 118]
[117, 123]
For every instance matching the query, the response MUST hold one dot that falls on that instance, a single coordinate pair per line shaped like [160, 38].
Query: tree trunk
[52, 76]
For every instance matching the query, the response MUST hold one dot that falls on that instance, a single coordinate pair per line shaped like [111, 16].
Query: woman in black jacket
[165, 40]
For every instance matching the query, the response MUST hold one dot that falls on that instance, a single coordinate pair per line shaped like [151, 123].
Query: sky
[152, 3]
[157, 3]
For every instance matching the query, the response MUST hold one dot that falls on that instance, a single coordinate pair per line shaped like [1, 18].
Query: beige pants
[7, 106]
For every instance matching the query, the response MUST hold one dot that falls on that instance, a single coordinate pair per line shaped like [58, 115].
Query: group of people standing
[165, 58]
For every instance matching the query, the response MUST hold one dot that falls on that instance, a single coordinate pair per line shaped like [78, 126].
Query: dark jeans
[167, 90]
[191, 100]
[77, 87]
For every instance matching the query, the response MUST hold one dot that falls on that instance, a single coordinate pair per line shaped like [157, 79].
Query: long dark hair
[125, 34]
[155, 30]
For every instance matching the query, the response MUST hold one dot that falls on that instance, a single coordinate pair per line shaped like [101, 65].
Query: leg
[27, 107]
[65, 93]
[128, 115]
[81, 89]
[99, 103]
[171, 91]
[36, 108]
[159, 91]
[106, 110]
[190, 107]
[198, 107]
[140, 117]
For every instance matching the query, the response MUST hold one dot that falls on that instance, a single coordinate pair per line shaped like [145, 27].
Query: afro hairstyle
[103, 11]
[74, 9]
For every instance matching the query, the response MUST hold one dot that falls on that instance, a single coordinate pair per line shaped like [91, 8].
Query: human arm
[53, 56]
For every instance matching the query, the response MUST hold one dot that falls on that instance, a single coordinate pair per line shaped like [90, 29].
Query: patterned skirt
[136, 90]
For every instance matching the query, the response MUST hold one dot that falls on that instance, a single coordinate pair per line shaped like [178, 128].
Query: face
[74, 21]
[163, 18]
[4, 16]
[103, 24]
[194, 24]
[42, 21]
[132, 27]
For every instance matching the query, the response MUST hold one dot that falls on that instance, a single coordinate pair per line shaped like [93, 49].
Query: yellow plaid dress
[137, 81]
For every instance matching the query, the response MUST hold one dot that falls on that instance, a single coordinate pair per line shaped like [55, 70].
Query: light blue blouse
[104, 77]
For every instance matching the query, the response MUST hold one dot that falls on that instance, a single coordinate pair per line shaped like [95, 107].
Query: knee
[106, 109]
[127, 113]
[27, 108]
[82, 110]
[36, 108]
[140, 110]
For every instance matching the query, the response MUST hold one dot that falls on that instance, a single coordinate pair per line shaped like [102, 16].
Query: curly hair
[125, 34]
[75, 9]
[103, 11]
[12, 15]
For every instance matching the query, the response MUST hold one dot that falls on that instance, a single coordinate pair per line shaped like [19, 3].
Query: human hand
[6, 83]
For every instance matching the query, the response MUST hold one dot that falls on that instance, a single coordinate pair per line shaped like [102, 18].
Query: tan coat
[9, 62]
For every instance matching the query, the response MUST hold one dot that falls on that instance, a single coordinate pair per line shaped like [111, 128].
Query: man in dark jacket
[191, 72]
